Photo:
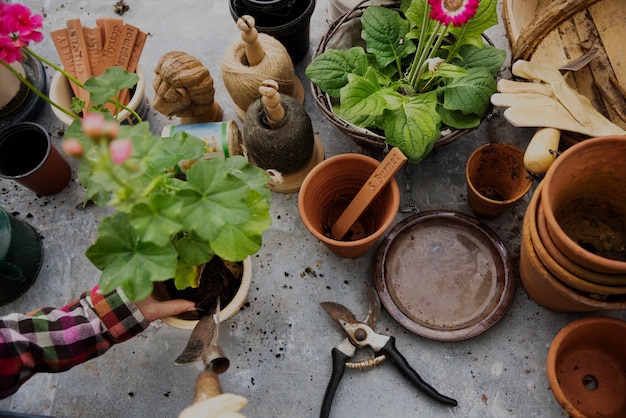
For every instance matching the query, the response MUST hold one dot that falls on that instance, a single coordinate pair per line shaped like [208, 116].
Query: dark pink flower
[18, 27]
[456, 12]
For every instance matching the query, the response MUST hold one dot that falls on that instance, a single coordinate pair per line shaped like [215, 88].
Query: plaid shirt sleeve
[55, 340]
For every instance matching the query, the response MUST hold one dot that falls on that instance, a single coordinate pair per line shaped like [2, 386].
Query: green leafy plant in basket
[424, 67]
[168, 220]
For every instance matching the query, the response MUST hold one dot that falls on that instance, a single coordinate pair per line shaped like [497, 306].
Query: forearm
[54, 340]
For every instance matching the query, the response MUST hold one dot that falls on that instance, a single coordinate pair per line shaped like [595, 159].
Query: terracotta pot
[584, 202]
[62, 94]
[566, 277]
[188, 320]
[28, 157]
[496, 178]
[543, 286]
[586, 368]
[329, 188]
[571, 267]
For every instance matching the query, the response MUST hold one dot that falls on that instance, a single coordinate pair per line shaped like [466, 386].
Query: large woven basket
[343, 33]
[557, 31]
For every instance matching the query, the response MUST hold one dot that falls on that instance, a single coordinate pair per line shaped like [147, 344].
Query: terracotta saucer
[444, 275]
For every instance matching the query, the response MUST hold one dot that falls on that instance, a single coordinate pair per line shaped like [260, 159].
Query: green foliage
[377, 88]
[166, 222]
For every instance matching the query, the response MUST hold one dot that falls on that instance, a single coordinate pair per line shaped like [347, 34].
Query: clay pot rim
[135, 100]
[522, 193]
[553, 350]
[395, 192]
[580, 272]
[560, 272]
[609, 266]
[581, 299]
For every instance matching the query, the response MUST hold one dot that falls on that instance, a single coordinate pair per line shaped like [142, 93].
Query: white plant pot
[62, 94]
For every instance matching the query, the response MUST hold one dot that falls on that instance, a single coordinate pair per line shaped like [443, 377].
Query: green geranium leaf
[414, 127]
[256, 178]
[329, 71]
[126, 261]
[194, 251]
[384, 33]
[108, 84]
[157, 220]
[471, 93]
[186, 275]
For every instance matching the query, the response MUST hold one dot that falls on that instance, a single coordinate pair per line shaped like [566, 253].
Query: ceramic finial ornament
[278, 137]
[184, 88]
[251, 60]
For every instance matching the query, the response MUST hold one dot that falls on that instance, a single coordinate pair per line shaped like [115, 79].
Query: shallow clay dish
[444, 275]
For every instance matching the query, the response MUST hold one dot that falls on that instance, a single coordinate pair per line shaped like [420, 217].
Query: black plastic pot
[286, 20]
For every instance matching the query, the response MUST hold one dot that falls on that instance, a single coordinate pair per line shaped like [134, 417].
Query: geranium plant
[168, 219]
[424, 67]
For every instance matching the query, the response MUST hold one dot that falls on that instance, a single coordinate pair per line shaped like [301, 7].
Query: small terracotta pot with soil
[496, 179]
[328, 190]
[586, 368]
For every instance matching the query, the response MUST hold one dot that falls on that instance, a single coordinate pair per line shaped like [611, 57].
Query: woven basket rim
[363, 136]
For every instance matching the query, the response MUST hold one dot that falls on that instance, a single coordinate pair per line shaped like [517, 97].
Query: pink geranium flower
[455, 12]
[121, 150]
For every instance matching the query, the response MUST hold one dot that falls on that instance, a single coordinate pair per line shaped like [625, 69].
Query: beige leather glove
[226, 405]
[549, 102]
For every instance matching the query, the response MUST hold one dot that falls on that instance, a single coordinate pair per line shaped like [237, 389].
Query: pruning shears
[361, 334]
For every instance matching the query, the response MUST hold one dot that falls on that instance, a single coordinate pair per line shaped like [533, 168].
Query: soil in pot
[217, 280]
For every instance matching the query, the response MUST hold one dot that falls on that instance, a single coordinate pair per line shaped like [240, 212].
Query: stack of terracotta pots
[573, 251]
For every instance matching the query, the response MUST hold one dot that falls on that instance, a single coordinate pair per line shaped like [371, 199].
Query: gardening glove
[226, 405]
[549, 102]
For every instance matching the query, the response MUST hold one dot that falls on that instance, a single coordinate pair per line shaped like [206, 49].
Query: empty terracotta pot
[543, 286]
[584, 202]
[496, 179]
[586, 368]
[329, 188]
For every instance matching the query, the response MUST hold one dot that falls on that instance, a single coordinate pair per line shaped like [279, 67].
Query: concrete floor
[280, 343]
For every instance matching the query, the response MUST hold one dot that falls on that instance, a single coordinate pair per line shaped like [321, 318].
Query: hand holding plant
[422, 67]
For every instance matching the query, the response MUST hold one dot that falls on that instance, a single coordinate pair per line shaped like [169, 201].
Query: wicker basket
[557, 31]
[344, 33]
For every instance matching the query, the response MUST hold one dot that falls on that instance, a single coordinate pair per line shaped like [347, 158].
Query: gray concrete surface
[280, 343]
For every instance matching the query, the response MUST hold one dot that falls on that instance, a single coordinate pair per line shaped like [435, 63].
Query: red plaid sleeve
[55, 340]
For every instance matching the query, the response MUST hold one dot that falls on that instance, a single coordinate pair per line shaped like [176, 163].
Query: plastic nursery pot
[21, 255]
[329, 188]
[286, 20]
[188, 320]
[586, 367]
[17, 102]
[28, 157]
[542, 286]
[496, 178]
[62, 94]
[584, 202]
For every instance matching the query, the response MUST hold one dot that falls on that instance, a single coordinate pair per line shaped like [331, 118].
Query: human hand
[153, 309]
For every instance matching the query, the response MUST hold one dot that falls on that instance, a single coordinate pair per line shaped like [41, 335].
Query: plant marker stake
[388, 167]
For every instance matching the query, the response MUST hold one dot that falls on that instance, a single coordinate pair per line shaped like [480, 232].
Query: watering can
[21, 255]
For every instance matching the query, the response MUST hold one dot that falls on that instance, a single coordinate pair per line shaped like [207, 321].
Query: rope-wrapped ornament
[253, 59]
[184, 88]
[278, 137]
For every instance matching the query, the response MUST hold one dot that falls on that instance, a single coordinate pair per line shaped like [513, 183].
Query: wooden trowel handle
[207, 386]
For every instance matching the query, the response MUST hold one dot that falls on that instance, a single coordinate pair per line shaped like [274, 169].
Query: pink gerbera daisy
[456, 12]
